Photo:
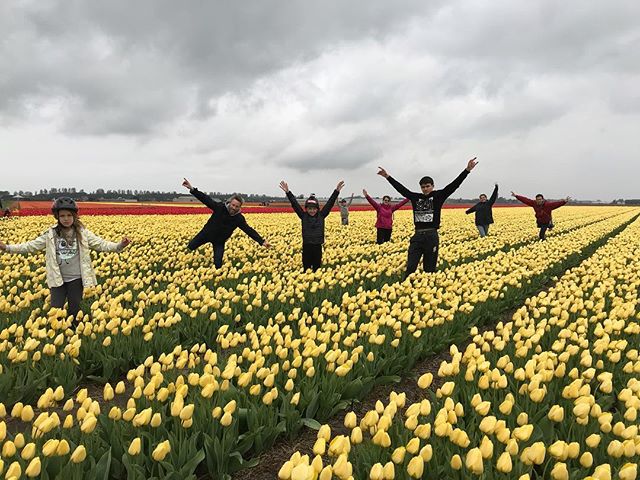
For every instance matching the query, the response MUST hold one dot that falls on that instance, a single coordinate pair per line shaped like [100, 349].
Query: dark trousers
[311, 256]
[543, 229]
[423, 245]
[218, 250]
[383, 235]
[70, 292]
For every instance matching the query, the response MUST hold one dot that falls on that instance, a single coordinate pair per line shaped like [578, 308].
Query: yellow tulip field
[176, 370]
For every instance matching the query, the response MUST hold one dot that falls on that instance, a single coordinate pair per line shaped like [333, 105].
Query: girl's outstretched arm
[28, 247]
[100, 244]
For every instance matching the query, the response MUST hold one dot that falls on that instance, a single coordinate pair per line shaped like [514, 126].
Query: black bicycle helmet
[64, 203]
[312, 202]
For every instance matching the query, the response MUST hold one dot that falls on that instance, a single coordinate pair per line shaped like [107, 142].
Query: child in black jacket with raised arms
[312, 224]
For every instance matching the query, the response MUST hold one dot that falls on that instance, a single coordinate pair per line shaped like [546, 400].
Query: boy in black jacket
[225, 219]
[484, 213]
[426, 217]
[312, 224]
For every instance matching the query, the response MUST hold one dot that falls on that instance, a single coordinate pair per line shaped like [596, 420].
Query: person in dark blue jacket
[225, 219]
[312, 224]
[483, 211]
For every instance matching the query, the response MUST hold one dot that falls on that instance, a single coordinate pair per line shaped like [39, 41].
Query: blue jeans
[218, 253]
[218, 250]
[483, 230]
[543, 229]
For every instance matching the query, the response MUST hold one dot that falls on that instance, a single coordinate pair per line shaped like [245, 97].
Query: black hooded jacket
[484, 214]
[221, 224]
[313, 226]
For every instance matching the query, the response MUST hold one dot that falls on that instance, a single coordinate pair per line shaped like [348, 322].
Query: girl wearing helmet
[68, 263]
[312, 224]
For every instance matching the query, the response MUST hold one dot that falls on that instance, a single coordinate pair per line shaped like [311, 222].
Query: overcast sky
[239, 95]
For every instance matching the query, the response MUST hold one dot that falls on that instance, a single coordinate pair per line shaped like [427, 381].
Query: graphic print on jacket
[66, 250]
[423, 210]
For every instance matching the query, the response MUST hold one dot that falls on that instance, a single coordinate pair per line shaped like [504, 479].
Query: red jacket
[385, 212]
[543, 212]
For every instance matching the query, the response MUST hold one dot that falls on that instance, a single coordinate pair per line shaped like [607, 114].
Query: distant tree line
[119, 194]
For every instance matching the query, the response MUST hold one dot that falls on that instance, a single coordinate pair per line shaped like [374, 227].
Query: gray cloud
[134, 66]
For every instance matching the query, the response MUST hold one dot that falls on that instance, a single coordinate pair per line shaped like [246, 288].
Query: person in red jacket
[384, 215]
[543, 209]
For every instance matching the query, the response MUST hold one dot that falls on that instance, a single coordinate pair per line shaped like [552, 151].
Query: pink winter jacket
[385, 212]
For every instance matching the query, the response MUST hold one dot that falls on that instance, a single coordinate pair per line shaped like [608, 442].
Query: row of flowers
[553, 393]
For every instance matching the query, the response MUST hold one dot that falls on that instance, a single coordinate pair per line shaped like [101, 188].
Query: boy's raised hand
[383, 173]
[340, 185]
[187, 184]
[364, 192]
[471, 164]
[284, 186]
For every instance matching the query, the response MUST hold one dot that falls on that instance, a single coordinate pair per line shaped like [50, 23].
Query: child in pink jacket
[384, 221]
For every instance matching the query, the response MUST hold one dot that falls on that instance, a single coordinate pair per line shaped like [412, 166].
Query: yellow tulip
[473, 461]
[226, 419]
[504, 463]
[161, 451]
[523, 433]
[593, 440]
[556, 414]
[350, 420]
[560, 472]
[376, 472]
[425, 380]
[28, 451]
[586, 459]
[415, 468]
[285, 470]
[398, 455]
[14, 471]
[389, 471]
[34, 468]
[63, 448]
[8, 449]
[79, 454]
[629, 471]
[602, 472]
[88, 424]
[356, 435]
[136, 445]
